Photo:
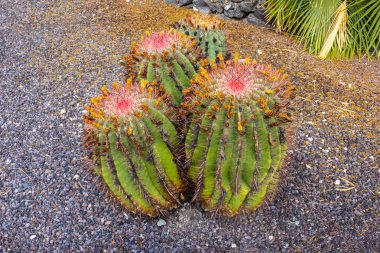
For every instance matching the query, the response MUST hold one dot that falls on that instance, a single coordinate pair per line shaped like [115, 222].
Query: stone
[248, 6]
[254, 20]
[204, 9]
[184, 2]
[161, 223]
[199, 3]
[232, 10]
[171, 1]
[237, 1]
[260, 13]
[215, 5]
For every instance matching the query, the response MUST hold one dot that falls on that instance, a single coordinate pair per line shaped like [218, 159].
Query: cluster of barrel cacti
[188, 124]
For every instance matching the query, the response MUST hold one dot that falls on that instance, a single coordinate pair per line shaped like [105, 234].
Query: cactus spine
[236, 140]
[133, 146]
[207, 32]
[166, 61]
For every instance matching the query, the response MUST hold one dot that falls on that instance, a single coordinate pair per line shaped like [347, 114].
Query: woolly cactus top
[236, 80]
[242, 79]
[160, 42]
[121, 102]
[118, 103]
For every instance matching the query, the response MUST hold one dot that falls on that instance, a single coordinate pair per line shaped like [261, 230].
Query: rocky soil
[55, 55]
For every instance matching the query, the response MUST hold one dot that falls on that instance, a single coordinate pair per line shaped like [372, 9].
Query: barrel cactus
[207, 32]
[165, 61]
[133, 148]
[236, 141]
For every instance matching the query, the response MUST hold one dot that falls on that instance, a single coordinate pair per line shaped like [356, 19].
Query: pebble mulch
[55, 55]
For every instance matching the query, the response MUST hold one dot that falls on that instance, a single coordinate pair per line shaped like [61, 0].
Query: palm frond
[330, 28]
[337, 31]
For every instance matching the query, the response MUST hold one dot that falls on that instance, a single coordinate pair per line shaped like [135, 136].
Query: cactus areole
[133, 148]
[165, 61]
[236, 141]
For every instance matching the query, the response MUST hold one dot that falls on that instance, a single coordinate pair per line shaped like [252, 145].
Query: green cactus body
[134, 146]
[233, 142]
[208, 34]
[165, 62]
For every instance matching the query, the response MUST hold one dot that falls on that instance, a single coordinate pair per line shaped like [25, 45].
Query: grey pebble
[161, 223]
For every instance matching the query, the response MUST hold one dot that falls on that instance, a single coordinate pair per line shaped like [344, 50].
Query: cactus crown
[118, 105]
[236, 80]
[243, 80]
[161, 43]
[122, 102]
[157, 43]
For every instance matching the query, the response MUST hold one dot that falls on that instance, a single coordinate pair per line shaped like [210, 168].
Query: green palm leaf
[321, 24]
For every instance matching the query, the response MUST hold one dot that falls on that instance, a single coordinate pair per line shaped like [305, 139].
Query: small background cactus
[236, 141]
[207, 32]
[133, 148]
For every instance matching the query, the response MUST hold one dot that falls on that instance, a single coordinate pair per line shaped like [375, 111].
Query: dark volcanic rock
[184, 2]
[259, 12]
[203, 9]
[215, 5]
[251, 18]
[199, 3]
[232, 10]
[171, 1]
[248, 6]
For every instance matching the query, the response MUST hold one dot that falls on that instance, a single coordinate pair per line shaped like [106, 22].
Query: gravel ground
[55, 55]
